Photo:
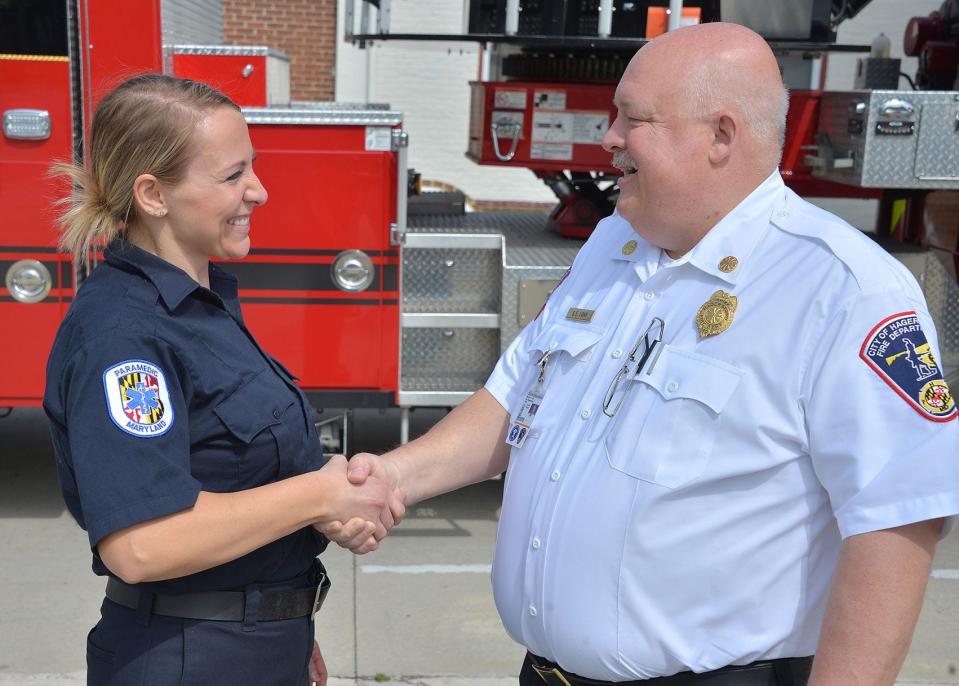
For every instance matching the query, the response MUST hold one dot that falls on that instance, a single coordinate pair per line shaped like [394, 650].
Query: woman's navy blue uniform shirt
[156, 391]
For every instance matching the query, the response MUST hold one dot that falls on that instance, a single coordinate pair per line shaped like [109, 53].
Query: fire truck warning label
[513, 100]
[378, 138]
[569, 127]
[138, 398]
[551, 151]
[549, 100]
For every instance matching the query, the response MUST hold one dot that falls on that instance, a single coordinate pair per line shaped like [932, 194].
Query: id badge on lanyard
[522, 423]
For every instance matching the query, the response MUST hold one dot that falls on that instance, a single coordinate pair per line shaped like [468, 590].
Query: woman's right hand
[353, 514]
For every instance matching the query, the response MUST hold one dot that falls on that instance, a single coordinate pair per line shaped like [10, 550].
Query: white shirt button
[554, 476]
[672, 387]
[553, 344]
[532, 611]
[534, 433]
[649, 295]
[536, 544]
[585, 414]
[616, 354]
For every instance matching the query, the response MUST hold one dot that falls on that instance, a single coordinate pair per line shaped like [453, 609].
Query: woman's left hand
[317, 666]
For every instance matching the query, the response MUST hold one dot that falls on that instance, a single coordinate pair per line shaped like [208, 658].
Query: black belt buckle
[552, 676]
[322, 589]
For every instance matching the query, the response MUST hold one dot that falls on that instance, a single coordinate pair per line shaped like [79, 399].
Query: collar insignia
[728, 264]
[629, 247]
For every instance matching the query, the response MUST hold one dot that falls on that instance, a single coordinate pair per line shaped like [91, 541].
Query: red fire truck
[374, 303]
[320, 289]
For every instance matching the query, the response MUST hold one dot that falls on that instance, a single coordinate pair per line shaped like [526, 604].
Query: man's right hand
[354, 535]
[363, 508]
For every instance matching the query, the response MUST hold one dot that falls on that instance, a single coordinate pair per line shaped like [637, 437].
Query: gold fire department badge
[728, 264]
[629, 247]
[716, 314]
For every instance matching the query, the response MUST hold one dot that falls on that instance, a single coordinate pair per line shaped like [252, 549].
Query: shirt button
[553, 344]
[534, 433]
[536, 544]
[585, 414]
[616, 354]
[649, 295]
[554, 476]
[672, 386]
[532, 611]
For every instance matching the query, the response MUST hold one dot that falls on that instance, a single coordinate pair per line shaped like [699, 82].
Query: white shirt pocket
[568, 346]
[666, 428]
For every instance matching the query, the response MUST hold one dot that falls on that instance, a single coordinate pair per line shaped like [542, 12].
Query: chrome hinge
[399, 139]
[397, 235]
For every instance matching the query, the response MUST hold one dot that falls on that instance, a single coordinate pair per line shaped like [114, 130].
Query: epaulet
[873, 268]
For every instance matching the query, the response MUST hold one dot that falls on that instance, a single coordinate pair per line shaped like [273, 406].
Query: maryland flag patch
[897, 350]
[138, 398]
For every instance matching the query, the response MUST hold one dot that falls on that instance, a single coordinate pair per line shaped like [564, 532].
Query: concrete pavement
[419, 611]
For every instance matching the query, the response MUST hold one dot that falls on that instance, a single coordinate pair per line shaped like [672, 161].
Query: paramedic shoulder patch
[138, 398]
[899, 353]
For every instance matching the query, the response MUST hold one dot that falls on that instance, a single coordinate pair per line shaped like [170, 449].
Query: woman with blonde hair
[185, 450]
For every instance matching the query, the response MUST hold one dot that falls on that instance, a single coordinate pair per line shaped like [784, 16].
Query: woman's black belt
[224, 606]
[789, 671]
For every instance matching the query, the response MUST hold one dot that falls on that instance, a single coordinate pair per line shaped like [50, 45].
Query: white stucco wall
[428, 82]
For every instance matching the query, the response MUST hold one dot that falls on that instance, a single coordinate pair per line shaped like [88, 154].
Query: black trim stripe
[313, 301]
[391, 277]
[352, 398]
[321, 253]
[298, 276]
[66, 275]
[44, 250]
[49, 300]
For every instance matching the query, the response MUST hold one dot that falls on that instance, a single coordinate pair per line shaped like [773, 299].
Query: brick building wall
[304, 29]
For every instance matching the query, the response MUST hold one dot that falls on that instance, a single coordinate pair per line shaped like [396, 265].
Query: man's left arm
[873, 606]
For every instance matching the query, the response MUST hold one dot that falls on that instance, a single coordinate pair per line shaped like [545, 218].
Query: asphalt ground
[417, 611]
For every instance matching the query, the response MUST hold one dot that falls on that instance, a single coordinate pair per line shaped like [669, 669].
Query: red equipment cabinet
[34, 84]
[320, 286]
[56, 79]
[333, 175]
[252, 76]
[548, 126]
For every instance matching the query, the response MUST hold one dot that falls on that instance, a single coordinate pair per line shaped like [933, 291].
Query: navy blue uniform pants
[170, 651]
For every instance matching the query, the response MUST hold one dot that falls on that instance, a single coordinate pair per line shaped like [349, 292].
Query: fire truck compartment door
[937, 156]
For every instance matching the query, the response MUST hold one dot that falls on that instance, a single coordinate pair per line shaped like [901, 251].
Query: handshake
[363, 500]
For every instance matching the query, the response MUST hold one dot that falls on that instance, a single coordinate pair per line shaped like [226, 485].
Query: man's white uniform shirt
[700, 526]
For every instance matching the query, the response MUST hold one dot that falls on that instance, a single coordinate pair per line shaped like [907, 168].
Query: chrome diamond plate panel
[313, 116]
[942, 296]
[543, 256]
[893, 161]
[478, 222]
[937, 154]
[478, 281]
[451, 280]
[447, 359]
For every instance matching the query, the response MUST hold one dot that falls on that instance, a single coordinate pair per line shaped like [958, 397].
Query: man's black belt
[790, 671]
[225, 606]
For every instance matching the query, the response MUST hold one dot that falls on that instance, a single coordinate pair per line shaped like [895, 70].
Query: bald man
[718, 463]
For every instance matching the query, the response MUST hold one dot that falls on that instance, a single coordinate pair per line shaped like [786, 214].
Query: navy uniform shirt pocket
[252, 413]
[665, 431]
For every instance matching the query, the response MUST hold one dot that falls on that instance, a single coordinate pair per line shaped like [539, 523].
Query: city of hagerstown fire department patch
[899, 353]
[138, 398]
